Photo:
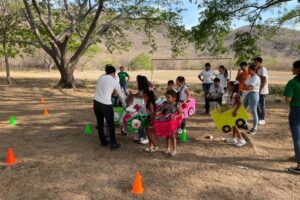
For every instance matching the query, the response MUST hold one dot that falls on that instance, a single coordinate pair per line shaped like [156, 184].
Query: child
[183, 95]
[170, 107]
[124, 78]
[149, 98]
[216, 92]
[235, 101]
[223, 76]
[116, 100]
[142, 83]
[242, 76]
[170, 85]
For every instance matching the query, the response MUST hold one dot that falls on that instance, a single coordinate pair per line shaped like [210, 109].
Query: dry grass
[159, 76]
[56, 161]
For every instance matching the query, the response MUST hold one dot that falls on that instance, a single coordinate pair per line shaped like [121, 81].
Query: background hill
[278, 52]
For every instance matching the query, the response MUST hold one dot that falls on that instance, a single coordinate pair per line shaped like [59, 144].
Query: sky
[190, 17]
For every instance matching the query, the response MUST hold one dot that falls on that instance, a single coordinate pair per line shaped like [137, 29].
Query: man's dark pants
[105, 111]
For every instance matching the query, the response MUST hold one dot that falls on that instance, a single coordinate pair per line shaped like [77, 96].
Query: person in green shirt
[292, 96]
[124, 78]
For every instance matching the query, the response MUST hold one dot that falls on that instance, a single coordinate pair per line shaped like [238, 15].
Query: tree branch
[49, 13]
[87, 36]
[30, 19]
[45, 25]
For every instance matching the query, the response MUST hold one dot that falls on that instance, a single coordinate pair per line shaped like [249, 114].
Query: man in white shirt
[216, 92]
[103, 107]
[207, 76]
[263, 91]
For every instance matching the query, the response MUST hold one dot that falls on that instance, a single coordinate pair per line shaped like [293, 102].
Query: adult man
[207, 76]
[263, 91]
[124, 78]
[103, 107]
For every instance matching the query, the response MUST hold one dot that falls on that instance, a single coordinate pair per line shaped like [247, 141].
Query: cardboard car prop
[224, 120]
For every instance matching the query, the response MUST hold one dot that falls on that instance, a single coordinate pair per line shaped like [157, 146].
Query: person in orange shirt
[242, 76]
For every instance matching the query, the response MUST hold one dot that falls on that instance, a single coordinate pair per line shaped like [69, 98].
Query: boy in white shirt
[216, 92]
[263, 90]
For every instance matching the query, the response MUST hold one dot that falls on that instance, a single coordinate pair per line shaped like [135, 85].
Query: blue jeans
[142, 134]
[251, 100]
[206, 87]
[124, 87]
[294, 121]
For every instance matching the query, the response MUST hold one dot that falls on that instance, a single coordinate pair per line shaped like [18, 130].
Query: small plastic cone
[87, 129]
[12, 120]
[137, 187]
[10, 160]
[42, 100]
[183, 137]
[45, 113]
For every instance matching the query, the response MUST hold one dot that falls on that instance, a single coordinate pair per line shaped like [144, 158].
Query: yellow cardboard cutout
[224, 121]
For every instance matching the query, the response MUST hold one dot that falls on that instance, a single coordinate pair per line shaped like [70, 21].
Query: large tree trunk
[67, 79]
[6, 62]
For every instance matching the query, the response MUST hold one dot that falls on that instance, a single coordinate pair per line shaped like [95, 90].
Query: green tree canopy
[217, 16]
[60, 26]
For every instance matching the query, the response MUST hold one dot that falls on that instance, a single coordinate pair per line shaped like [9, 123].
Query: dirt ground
[55, 160]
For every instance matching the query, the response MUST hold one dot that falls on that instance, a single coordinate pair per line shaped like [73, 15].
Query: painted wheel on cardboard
[136, 123]
[226, 129]
[191, 111]
[240, 123]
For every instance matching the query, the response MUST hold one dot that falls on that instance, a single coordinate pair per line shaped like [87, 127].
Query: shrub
[277, 90]
[141, 61]
[105, 62]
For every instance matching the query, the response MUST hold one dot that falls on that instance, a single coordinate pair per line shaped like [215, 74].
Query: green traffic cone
[12, 120]
[183, 136]
[87, 129]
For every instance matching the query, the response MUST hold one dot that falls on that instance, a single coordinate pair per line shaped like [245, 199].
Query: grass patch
[277, 90]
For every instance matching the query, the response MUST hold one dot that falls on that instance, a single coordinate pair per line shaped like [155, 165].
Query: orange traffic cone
[10, 160]
[45, 113]
[137, 187]
[42, 100]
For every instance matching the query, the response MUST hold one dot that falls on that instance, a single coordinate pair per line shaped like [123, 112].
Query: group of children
[174, 99]
[177, 93]
[218, 88]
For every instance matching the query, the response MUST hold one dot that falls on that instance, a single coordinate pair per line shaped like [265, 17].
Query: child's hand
[234, 114]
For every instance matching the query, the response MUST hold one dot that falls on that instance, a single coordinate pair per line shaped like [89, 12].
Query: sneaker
[144, 141]
[154, 149]
[262, 122]
[123, 133]
[168, 151]
[151, 149]
[252, 132]
[114, 146]
[241, 142]
[295, 170]
[173, 153]
[231, 140]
